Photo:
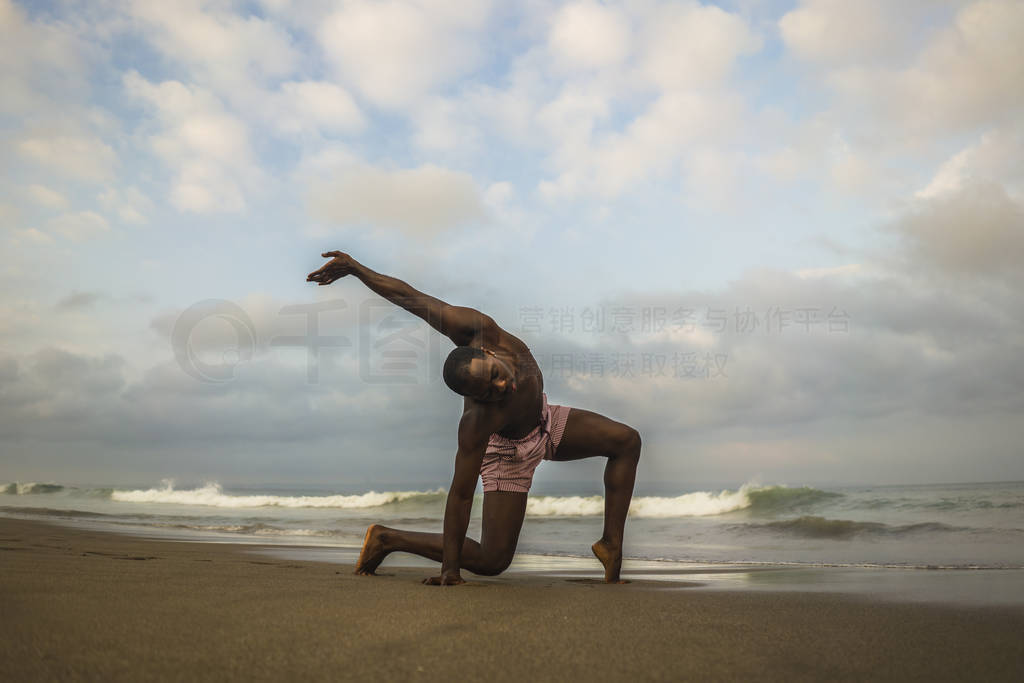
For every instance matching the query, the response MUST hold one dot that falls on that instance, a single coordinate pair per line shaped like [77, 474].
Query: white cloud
[830, 271]
[80, 225]
[675, 87]
[692, 45]
[45, 196]
[833, 31]
[653, 144]
[40, 62]
[396, 52]
[229, 52]
[312, 106]
[81, 157]
[903, 82]
[589, 35]
[419, 201]
[443, 125]
[128, 203]
[206, 146]
[998, 157]
[968, 74]
[31, 237]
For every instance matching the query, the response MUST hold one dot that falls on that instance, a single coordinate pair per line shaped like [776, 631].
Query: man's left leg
[502, 521]
[590, 435]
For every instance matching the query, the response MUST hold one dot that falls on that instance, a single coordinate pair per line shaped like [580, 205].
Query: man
[507, 428]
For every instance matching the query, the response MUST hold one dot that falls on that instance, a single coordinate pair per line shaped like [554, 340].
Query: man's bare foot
[373, 552]
[611, 558]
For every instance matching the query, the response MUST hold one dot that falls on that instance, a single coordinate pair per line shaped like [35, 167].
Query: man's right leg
[502, 520]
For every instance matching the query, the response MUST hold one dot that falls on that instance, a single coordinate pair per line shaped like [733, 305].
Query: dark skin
[502, 394]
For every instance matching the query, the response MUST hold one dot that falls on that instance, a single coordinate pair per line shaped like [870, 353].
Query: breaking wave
[697, 504]
[749, 497]
[213, 495]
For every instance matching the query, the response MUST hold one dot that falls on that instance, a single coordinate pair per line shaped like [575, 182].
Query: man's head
[478, 373]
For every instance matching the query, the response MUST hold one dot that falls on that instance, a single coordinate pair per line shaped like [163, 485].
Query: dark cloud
[79, 300]
[974, 232]
[894, 372]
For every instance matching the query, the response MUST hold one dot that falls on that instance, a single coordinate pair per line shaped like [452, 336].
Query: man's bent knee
[627, 442]
[494, 565]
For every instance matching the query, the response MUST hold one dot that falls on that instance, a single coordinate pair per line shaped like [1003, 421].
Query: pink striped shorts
[508, 464]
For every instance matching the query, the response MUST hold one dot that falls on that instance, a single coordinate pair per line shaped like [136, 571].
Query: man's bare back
[504, 406]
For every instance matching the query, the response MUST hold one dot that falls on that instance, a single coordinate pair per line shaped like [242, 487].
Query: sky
[782, 239]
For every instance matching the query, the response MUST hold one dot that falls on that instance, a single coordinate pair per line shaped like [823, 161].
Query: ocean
[937, 527]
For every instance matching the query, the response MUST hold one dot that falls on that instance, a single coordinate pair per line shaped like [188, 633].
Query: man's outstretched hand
[444, 580]
[338, 267]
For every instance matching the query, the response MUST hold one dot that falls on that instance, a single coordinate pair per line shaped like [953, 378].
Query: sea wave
[782, 498]
[29, 488]
[696, 504]
[213, 495]
[839, 529]
[753, 497]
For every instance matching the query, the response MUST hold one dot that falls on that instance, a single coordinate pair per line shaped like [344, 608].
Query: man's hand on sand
[445, 580]
[338, 267]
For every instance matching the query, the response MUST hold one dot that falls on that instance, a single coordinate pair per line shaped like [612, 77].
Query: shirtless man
[507, 428]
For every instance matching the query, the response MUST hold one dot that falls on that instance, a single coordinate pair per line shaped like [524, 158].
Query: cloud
[396, 52]
[228, 52]
[638, 121]
[84, 376]
[833, 31]
[995, 158]
[975, 231]
[874, 345]
[651, 146]
[589, 35]
[80, 157]
[45, 196]
[79, 300]
[420, 201]
[205, 146]
[31, 237]
[831, 271]
[966, 75]
[40, 63]
[312, 106]
[690, 45]
[126, 202]
[79, 226]
[900, 85]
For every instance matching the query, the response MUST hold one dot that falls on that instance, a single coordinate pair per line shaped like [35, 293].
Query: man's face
[491, 379]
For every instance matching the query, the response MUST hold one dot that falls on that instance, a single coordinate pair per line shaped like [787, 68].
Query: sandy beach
[85, 605]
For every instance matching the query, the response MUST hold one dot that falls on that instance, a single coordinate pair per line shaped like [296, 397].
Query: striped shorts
[508, 464]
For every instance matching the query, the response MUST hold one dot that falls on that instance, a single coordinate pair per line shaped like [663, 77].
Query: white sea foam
[564, 506]
[213, 495]
[698, 504]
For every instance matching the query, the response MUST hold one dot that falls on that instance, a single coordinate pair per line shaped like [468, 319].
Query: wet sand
[87, 605]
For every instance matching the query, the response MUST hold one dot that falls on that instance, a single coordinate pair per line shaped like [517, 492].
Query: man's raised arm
[458, 323]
